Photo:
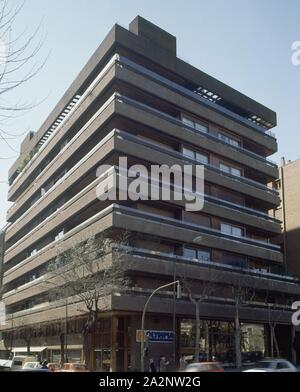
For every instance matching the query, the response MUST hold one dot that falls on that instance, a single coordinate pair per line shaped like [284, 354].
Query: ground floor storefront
[114, 342]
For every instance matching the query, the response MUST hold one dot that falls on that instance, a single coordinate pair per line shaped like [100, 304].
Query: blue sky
[244, 43]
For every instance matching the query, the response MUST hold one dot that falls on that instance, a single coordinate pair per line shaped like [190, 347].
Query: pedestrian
[152, 367]
[182, 363]
[44, 365]
[163, 364]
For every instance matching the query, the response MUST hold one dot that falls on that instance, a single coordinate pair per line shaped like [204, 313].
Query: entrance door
[102, 360]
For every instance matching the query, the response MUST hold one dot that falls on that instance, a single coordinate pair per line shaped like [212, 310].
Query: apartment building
[135, 98]
[288, 186]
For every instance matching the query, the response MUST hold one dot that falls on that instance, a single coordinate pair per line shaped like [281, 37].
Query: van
[19, 360]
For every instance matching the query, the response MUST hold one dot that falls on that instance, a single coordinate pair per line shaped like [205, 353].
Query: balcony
[251, 123]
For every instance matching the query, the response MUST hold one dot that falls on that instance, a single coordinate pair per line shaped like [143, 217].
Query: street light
[144, 314]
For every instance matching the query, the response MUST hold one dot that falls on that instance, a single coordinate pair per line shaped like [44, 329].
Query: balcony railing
[192, 95]
[247, 180]
[183, 224]
[210, 264]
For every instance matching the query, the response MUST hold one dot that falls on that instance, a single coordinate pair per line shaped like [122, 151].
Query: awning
[32, 349]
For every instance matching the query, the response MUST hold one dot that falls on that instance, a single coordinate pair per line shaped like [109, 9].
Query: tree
[18, 64]
[87, 273]
[274, 316]
[197, 295]
[242, 293]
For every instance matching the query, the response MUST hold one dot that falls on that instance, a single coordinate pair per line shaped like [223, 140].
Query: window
[230, 169]
[188, 153]
[234, 259]
[229, 140]
[202, 158]
[59, 235]
[197, 125]
[188, 122]
[190, 253]
[33, 252]
[235, 172]
[199, 254]
[196, 155]
[231, 230]
[200, 127]
[282, 365]
[277, 185]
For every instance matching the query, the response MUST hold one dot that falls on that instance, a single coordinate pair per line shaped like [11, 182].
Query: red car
[74, 367]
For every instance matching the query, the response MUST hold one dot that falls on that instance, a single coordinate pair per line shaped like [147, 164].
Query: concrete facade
[136, 98]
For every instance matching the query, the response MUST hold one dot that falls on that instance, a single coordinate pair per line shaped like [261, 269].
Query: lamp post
[144, 314]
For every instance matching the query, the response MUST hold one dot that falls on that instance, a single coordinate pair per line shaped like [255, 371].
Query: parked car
[54, 367]
[19, 361]
[74, 367]
[33, 367]
[5, 365]
[214, 367]
[273, 365]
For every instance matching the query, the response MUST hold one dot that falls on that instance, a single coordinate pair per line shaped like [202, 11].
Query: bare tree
[87, 274]
[199, 293]
[26, 332]
[242, 294]
[274, 316]
[19, 63]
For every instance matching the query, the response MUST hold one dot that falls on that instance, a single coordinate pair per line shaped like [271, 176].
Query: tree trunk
[197, 339]
[272, 340]
[276, 344]
[207, 341]
[86, 351]
[238, 354]
[62, 348]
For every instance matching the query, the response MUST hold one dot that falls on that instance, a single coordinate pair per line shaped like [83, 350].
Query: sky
[244, 43]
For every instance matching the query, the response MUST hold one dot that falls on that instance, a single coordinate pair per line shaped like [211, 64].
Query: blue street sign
[160, 336]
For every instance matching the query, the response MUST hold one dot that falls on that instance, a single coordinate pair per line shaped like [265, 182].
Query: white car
[31, 365]
[273, 365]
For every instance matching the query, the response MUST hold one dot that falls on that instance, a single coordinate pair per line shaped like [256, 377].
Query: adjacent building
[136, 98]
[288, 185]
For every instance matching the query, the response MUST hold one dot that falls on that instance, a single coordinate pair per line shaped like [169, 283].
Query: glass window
[33, 252]
[236, 172]
[203, 255]
[234, 143]
[190, 253]
[188, 122]
[224, 168]
[201, 127]
[229, 169]
[228, 139]
[199, 254]
[236, 231]
[59, 235]
[226, 229]
[196, 125]
[231, 230]
[188, 153]
[201, 158]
